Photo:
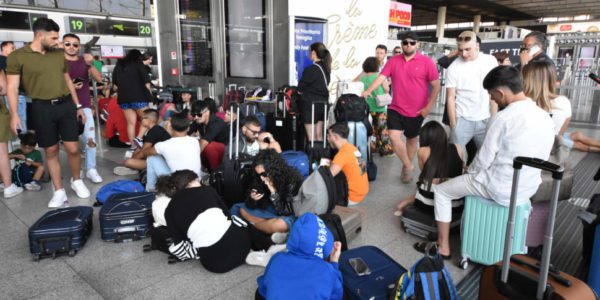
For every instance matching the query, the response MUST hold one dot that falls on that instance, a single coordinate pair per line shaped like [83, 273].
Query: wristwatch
[79, 106]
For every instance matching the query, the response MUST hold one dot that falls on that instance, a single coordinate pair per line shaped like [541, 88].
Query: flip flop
[421, 246]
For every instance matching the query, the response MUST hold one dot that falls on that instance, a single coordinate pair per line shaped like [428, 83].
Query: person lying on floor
[309, 269]
[438, 160]
[521, 128]
[200, 226]
[269, 206]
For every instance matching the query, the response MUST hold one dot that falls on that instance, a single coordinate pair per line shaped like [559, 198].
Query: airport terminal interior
[213, 51]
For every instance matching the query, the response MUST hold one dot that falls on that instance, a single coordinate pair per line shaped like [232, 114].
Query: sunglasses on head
[412, 43]
[463, 38]
[68, 44]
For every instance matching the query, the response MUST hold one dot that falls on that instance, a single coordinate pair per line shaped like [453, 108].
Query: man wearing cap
[411, 74]
[469, 105]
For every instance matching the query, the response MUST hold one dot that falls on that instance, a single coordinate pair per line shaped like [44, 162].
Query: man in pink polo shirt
[411, 74]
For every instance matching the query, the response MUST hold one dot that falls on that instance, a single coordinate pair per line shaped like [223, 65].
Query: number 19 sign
[400, 14]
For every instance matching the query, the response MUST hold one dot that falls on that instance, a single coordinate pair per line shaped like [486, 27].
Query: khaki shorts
[6, 133]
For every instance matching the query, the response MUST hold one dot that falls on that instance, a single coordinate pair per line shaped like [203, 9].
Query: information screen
[112, 51]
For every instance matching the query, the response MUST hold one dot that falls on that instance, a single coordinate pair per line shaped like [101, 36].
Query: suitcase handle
[66, 239]
[556, 170]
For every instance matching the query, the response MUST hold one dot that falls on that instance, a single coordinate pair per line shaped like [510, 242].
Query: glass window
[196, 41]
[245, 38]
[135, 8]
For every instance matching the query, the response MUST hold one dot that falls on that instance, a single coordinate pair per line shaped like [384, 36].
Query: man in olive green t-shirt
[43, 71]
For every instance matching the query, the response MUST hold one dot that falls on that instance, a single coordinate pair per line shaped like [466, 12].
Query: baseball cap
[403, 35]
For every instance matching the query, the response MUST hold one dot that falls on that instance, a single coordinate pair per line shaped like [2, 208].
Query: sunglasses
[67, 44]
[463, 38]
[263, 174]
[397, 52]
[404, 43]
[199, 114]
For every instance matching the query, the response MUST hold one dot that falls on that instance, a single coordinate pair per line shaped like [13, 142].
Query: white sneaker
[93, 175]
[59, 199]
[128, 153]
[33, 186]
[279, 237]
[124, 171]
[12, 191]
[258, 258]
[276, 248]
[80, 189]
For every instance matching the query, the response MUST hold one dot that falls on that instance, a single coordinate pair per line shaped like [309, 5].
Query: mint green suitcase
[483, 231]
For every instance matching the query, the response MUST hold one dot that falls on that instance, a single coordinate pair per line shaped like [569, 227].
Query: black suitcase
[316, 150]
[231, 179]
[286, 128]
[60, 231]
[126, 216]
[419, 219]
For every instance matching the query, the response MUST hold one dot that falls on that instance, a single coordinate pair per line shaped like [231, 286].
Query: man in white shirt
[521, 128]
[469, 105]
[180, 152]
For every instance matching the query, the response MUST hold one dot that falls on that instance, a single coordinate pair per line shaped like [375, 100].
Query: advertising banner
[511, 47]
[400, 14]
[306, 33]
[574, 27]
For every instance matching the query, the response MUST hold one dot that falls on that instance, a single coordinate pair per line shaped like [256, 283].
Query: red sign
[566, 27]
[400, 14]
[175, 71]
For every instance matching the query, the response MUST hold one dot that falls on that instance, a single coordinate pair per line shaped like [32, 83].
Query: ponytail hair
[322, 54]
[169, 185]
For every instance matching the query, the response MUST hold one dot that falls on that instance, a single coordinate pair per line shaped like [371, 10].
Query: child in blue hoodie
[302, 272]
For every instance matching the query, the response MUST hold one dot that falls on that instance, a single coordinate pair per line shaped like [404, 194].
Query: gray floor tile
[78, 289]
[45, 276]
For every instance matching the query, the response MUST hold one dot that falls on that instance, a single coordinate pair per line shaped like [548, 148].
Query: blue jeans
[268, 213]
[155, 167]
[89, 133]
[22, 110]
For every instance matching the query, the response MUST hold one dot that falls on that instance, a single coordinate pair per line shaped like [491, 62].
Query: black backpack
[351, 107]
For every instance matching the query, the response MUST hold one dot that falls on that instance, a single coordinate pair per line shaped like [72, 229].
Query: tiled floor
[113, 271]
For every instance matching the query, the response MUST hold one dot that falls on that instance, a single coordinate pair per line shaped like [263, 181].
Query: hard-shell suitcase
[230, 180]
[334, 224]
[522, 277]
[316, 150]
[286, 128]
[536, 225]
[126, 216]
[358, 137]
[419, 219]
[483, 227]
[60, 231]
[350, 221]
[379, 283]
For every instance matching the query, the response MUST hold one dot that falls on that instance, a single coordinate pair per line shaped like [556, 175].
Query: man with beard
[44, 73]
[411, 73]
[80, 70]
[252, 140]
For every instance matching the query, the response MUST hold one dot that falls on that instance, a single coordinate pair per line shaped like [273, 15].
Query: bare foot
[406, 176]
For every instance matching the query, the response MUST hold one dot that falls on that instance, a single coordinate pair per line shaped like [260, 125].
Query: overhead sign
[574, 27]
[400, 14]
[18, 20]
[510, 47]
[110, 27]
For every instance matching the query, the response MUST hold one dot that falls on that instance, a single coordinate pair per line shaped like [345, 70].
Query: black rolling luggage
[61, 231]
[285, 127]
[316, 150]
[126, 216]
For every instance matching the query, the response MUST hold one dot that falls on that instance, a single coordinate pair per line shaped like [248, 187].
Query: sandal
[422, 246]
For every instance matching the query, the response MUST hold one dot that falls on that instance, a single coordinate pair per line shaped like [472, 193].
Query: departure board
[109, 27]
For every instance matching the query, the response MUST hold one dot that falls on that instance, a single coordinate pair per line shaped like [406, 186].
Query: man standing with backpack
[411, 73]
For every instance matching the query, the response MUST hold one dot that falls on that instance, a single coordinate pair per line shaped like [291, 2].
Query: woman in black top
[439, 160]
[269, 206]
[131, 77]
[200, 227]
[313, 87]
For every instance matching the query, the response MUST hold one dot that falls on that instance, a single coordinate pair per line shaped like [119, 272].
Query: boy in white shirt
[521, 128]
[180, 152]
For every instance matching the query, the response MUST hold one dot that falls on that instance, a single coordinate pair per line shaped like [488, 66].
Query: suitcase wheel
[148, 248]
[72, 253]
[464, 263]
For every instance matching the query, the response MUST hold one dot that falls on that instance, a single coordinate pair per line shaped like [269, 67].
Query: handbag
[383, 99]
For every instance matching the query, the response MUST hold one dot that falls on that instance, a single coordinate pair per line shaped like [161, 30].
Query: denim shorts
[567, 140]
[268, 213]
[133, 105]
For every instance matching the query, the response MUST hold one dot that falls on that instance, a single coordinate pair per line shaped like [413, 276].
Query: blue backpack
[428, 279]
[117, 187]
[22, 174]
[298, 160]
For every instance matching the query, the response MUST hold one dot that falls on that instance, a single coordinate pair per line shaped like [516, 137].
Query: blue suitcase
[358, 137]
[379, 284]
[298, 160]
[60, 231]
[126, 216]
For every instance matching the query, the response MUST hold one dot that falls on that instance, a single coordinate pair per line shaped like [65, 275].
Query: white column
[476, 23]
[441, 22]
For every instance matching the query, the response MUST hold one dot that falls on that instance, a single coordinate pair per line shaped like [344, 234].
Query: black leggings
[228, 253]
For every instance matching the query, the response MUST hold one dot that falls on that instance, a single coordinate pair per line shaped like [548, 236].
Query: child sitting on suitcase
[520, 128]
[303, 272]
[350, 161]
[438, 160]
[30, 166]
